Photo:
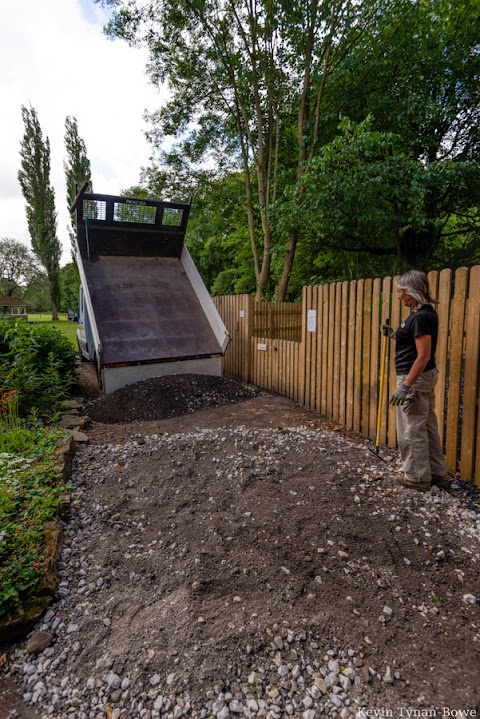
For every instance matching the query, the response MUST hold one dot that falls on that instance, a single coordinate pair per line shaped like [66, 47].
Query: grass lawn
[69, 329]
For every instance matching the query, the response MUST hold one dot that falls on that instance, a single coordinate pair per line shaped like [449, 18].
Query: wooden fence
[278, 320]
[334, 368]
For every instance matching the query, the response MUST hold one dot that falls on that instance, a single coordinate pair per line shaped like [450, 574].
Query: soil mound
[165, 397]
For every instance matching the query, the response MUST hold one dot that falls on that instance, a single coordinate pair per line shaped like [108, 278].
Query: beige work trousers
[417, 430]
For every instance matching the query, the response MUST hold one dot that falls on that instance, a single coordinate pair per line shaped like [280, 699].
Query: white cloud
[55, 57]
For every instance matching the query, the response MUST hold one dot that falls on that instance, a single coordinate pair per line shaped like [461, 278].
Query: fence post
[471, 379]
[300, 394]
[247, 336]
[456, 353]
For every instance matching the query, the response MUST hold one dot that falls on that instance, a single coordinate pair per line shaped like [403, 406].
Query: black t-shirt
[422, 322]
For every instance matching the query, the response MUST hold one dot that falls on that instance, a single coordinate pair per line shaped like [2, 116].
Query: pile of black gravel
[164, 397]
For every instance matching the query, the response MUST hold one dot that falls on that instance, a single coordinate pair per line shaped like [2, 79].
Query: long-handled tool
[380, 390]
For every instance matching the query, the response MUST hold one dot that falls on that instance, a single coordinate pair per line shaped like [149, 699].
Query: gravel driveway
[249, 560]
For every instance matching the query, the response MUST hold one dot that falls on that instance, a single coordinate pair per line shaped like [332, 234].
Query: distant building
[13, 307]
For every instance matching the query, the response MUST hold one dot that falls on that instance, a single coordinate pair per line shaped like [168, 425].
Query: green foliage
[34, 178]
[77, 165]
[364, 194]
[263, 87]
[77, 169]
[17, 266]
[248, 86]
[36, 371]
[29, 498]
[217, 237]
[69, 285]
[64, 326]
[9, 419]
[37, 293]
[38, 361]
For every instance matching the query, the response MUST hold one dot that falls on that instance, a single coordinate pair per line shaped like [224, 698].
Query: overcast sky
[55, 57]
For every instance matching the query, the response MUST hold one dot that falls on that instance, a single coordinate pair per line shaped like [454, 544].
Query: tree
[77, 169]
[17, 266]
[216, 236]
[37, 293]
[364, 194]
[34, 178]
[70, 285]
[249, 84]
[260, 87]
[426, 91]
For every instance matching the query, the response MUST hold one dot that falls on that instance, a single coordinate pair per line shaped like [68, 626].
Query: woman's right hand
[389, 331]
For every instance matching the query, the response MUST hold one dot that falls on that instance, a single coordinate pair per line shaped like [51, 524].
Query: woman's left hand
[400, 395]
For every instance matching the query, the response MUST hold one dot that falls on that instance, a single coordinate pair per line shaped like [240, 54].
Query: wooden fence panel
[343, 354]
[374, 357]
[300, 391]
[443, 309]
[319, 339]
[455, 367]
[277, 320]
[313, 368]
[309, 350]
[395, 321]
[325, 330]
[235, 311]
[470, 392]
[337, 344]
[367, 332]
[330, 349]
[275, 367]
[357, 372]
[334, 370]
[387, 390]
[351, 354]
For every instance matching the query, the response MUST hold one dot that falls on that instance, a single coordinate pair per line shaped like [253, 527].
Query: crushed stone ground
[247, 560]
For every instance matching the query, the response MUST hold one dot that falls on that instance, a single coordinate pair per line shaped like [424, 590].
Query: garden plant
[36, 373]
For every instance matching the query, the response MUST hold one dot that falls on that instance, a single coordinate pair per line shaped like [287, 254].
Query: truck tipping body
[143, 305]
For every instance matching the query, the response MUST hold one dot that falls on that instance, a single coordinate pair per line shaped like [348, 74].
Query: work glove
[400, 395]
[389, 331]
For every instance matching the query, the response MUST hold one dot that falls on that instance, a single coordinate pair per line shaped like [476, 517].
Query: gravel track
[248, 561]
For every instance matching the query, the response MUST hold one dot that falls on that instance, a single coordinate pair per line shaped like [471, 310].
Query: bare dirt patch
[248, 553]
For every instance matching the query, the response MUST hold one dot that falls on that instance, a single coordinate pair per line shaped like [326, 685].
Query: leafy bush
[38, 361]
[29, 497]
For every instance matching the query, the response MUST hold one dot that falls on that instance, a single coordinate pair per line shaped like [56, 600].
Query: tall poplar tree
[77, 168]
[34, 178]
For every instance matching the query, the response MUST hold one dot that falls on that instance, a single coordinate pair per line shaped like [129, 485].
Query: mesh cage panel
[94, 210]
[172, 216]
[133, 212]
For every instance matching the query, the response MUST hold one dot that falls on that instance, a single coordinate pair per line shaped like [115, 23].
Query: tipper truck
[144, 310]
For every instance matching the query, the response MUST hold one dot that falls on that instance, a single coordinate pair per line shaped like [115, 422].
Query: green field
[69, 329]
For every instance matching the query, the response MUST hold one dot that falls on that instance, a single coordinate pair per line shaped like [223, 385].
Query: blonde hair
[415, 283]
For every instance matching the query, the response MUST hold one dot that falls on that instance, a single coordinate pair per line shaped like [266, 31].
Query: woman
[417, 374]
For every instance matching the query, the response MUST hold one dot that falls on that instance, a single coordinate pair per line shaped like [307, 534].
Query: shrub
[30, 492]
[38, 361]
